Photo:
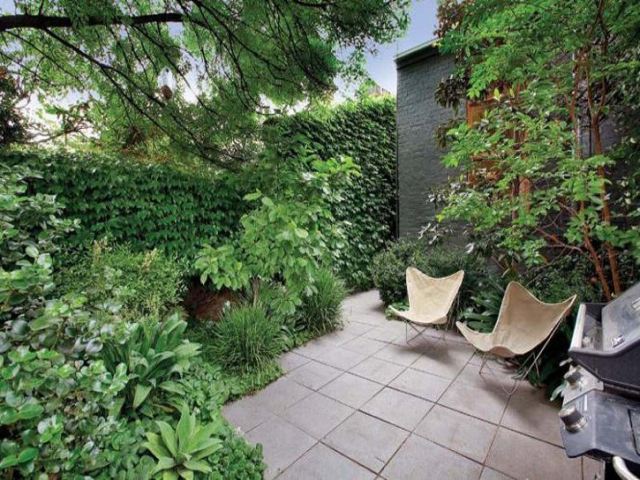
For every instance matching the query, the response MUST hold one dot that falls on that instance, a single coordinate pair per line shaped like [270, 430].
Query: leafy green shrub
[68, 366]
[154, 352]
[366, 131]
[144, 283]
[286, 238]
[237, 460]
[144, 205]
[246, 338]
[276, 301]
[564, 277]
[182, 452]
[30, 227]
[437, 261]
[483, 308]
[320, 311]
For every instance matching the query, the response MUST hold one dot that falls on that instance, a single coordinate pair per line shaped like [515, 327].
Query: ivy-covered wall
[366, 131]
[145, 205]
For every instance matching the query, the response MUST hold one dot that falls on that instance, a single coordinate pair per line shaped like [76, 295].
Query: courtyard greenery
[366, 131]
[163, 246]
[178, 227]
[98, 353]
[549, 149]
[546, 158]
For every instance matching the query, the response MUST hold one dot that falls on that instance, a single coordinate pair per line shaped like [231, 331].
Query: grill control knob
[573, 420]
[573, 376]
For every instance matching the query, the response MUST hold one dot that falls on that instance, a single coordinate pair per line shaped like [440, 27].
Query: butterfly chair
[430, 300]
[524, 322]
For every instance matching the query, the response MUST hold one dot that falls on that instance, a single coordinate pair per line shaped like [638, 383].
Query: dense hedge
[366, 131]
[144, 205]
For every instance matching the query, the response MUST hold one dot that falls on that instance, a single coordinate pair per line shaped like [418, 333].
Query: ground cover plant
[147, 283]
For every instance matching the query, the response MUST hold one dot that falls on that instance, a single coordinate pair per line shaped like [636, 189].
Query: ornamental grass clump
[320, 312]
[246, 338]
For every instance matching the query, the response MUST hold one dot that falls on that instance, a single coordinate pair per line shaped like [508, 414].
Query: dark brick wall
[419, 165]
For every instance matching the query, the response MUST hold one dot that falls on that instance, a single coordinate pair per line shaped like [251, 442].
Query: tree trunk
[612, 255]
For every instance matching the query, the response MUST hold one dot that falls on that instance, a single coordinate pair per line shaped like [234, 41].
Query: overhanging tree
[554, 76]
[194, 72]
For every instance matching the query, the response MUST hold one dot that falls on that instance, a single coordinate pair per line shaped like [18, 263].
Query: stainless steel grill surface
[601, 407]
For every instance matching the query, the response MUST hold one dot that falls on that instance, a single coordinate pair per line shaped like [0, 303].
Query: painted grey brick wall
[419, 165]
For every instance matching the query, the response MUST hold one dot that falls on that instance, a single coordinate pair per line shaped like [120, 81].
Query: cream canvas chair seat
[430, 299]
[524, 322]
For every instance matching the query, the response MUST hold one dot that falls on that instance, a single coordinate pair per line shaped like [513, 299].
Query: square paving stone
[422, 384]
[444, 359]
[322, 463]
[356, 328]
[530, 412]
[491, 474]
[364, 345]
[400, 354]
[351, 389]
[246, 413]
[399, 408]
[341, 358]
[314, 375]
[282, 444]
[317, 415]
[281, 394]
[338, 337]
[314, 348]
[481, 402]
[375, 318]
[382, 335]
[377, 370]
[363, 300]
[420, 459]
[592, 469]
[458, 432]
[495, 376]
[524, 457]
[291, 360]
[367, 440]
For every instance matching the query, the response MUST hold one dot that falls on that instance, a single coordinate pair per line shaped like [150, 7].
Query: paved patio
[362, 404]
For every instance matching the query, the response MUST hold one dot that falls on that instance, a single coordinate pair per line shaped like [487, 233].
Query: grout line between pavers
[331, 447]
[412, 432]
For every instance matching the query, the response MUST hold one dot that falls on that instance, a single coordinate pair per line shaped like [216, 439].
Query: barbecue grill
[601, 407]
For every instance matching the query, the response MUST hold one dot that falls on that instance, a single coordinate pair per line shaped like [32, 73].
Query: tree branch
[43, 22]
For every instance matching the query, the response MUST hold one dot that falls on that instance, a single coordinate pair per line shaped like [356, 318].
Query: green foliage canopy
[195, 72]
[551, 74]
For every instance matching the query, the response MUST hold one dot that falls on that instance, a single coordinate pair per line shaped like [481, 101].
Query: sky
[381, 67]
